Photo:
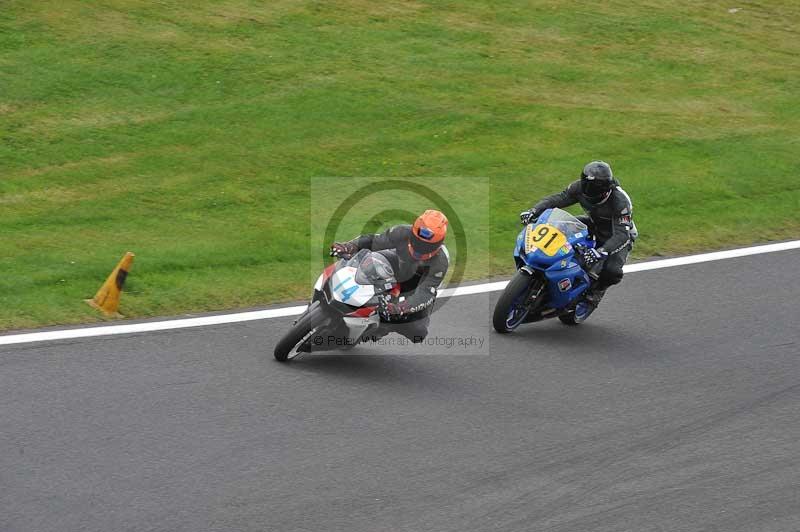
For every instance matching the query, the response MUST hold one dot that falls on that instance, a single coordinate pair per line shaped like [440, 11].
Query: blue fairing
[566, 279]
[565, 284]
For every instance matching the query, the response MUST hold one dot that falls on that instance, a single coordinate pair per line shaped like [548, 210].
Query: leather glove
[389, 310]
[343, 250]
[528, 216]
[592, 256]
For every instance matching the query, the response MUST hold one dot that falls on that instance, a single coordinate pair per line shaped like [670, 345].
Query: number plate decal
[545, 238]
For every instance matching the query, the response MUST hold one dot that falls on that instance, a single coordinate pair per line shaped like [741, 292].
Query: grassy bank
[189, 132]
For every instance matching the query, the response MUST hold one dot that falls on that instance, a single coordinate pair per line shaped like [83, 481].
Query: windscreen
[374, 269]
[564, 222]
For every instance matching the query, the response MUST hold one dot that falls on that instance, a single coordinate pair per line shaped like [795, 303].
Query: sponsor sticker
[566, 248]
[564, 284]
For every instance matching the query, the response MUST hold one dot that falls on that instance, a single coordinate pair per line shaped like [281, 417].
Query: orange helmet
[427, 235]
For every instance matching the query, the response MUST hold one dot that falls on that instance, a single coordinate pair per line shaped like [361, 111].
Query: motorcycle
[551, 276]
[344, 308]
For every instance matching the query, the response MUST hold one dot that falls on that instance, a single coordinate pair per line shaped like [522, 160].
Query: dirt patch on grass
[32, 172]
[95, 119]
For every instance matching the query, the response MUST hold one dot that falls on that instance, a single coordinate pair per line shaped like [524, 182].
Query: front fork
[535, 299]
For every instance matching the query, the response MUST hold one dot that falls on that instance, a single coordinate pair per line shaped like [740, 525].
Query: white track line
[292, 311]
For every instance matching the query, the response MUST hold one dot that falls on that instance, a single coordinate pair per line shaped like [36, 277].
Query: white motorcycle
[344, 308]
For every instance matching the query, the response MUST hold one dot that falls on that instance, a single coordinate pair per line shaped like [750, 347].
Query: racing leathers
[419, 280]
[610, 221]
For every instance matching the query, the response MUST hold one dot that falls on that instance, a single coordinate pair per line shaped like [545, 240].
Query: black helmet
[596, 181]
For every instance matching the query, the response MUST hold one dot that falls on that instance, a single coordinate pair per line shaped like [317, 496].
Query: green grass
[188, 132]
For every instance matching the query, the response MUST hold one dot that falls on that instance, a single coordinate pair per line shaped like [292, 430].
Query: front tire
[300, 331]
[513, 306]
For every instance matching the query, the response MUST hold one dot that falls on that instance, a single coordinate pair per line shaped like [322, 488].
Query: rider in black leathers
[420, 261]
[609, 216]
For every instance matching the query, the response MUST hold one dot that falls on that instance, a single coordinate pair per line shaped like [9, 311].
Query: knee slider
[610, 277]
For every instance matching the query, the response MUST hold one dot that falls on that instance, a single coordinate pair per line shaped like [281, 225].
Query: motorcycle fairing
[324, 276]
[577, 279]
[346, 290]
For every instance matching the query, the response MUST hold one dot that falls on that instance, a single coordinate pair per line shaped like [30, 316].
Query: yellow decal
[544, 237]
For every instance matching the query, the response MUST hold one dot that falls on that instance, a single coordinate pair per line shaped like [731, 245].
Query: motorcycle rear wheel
[569, 318]
[576, 316]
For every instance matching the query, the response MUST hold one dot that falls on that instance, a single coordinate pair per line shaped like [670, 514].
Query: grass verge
[188, 133]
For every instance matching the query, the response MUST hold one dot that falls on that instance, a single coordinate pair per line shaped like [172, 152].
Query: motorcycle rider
[609, 214]
[420, 261]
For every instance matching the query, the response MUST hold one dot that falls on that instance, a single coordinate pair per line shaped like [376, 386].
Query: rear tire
[569, 318]
[577, 315]
[314, 319]
[519, 286]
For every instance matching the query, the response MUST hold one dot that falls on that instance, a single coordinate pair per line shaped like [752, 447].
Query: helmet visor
[426, 233]
[595, 189]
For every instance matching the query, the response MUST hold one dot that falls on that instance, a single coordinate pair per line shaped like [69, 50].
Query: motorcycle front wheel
[302, 330]
[514, 303]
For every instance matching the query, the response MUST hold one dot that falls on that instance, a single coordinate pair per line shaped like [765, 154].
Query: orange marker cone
[107, 298]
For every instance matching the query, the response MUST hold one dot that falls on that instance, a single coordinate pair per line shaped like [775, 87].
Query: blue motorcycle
[551, 277]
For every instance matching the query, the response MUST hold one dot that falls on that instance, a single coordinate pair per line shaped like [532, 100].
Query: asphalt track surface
[676, 407]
